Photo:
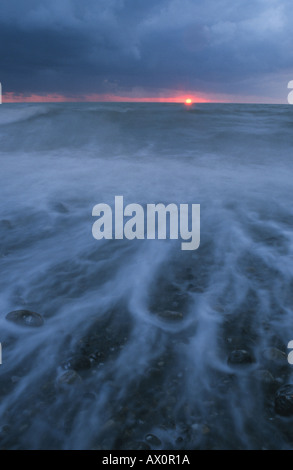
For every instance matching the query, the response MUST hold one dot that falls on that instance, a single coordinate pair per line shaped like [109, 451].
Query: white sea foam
[157, 323]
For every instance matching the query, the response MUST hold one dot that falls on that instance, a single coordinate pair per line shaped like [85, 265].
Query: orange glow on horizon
[59, 98]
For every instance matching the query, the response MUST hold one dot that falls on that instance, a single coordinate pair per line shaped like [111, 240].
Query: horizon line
[145, 102]
[180, 98]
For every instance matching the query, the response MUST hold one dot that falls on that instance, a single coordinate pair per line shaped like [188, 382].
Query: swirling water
[139, 371]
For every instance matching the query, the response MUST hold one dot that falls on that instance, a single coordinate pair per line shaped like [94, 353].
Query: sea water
[137, 334]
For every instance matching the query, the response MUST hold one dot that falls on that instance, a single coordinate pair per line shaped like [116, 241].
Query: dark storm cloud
[218, 46]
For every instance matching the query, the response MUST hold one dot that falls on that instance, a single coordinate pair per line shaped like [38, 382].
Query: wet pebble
[15, 379]
[109, 425]
[205, 429]
[284, 400]
[68, 378]
[4, 429]
[153, 440]
[78, 362]
[25, 318]
[240, 356]
[275, 355]
[24, 427]
[264, 376]
[5, 224]
[61, 208]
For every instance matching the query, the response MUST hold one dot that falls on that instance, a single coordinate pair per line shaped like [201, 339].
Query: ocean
[140, 345]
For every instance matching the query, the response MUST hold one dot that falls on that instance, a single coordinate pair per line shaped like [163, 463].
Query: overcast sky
[239, 50]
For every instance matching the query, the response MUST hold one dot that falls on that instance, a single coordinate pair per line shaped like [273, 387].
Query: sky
[146, 50]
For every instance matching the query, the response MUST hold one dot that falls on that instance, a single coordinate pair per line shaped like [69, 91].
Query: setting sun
[188, 101]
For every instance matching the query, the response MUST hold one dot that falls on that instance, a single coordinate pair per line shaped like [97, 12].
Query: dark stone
[264, 376]
[153, 440]
[240, 356]
[179, 440]
[78, 362]
[68, 378]
[5, 429]
[25, 318]
[275, 355]
[142, 446]
[5, 224]
[61, 208]
[284, 400]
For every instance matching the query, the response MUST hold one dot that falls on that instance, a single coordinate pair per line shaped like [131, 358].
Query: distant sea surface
[143, 345]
